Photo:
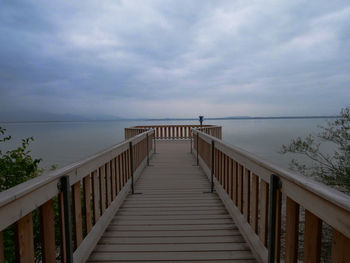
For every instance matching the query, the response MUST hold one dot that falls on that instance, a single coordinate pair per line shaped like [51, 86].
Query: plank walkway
[171, 219]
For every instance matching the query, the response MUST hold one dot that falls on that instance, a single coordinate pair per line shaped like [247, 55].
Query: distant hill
[31, 116]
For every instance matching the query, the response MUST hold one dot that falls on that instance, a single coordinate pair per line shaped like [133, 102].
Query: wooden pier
[172, 217]
[175, 193]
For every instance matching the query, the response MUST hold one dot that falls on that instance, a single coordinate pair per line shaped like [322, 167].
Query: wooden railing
[89, 192]
[171, 132]
[266, 203]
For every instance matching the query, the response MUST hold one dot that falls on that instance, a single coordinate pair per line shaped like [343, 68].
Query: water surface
[61, 143]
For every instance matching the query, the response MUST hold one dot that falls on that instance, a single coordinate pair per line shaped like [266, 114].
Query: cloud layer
[175, 58]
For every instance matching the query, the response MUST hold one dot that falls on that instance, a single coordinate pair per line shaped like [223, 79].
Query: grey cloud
[101, 56]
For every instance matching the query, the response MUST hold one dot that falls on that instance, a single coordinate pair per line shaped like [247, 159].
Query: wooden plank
[77, 217]
[173, 256]
[240, 188]
[171, 247]
[119, 169]
[113, 179]
[264, 211]
[96, 196]
[234, 183]
[292, 231]
[25, 240]
[230, 177]
[340, 248]
[47, 225]
[102, 178]
[227, 174]
[124, 175]
[246, 194]
[2, 254]
[87, 203]
[312, 238]
[108, 184]
[254, 203]
[62, 228]
[172, 240]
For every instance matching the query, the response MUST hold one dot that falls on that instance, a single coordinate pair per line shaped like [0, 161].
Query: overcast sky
[175, 58]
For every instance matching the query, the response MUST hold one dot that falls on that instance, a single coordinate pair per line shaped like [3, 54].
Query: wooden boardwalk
[171, 218]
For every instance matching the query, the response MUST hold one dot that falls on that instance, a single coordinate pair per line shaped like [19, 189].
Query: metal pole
[65, 187]
[197, 150]
[147, 150]
[132, 167]
[212, 166]
[274, 186]
[154, 141]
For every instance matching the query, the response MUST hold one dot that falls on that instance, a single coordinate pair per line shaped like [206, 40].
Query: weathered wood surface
[171, 218]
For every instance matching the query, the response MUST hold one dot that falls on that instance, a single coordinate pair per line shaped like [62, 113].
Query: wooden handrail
[172, 132]
[103, 179]
[243, 182]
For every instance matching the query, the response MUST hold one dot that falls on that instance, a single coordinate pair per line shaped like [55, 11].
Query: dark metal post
[132, 167]
[154, 141]
[274, 186]
[212, 166]
[197, 150]
[147, 150]
[65, 187]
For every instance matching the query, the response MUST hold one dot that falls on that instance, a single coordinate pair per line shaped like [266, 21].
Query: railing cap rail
[323, 191]
[22, 189]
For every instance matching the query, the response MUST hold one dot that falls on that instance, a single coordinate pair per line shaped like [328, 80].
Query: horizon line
[185, 119]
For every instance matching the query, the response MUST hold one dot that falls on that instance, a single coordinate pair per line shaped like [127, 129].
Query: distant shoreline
[181, 119]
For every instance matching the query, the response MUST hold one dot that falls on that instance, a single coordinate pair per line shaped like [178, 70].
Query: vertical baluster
[246, 194]
[254, 203]
[87, 203]
[113, 179]
[230, 178]
[47, 225]
[77, 218]
[292, 231]
[122, 160]
[216, 163]
[264, 211]
[2, 254]
[25, 239]
[102, 189]
[340, 248]
[108, 183]
[95, 195]
[219, 166]
[240, 188]
[312, 238]
[224, 183]
[119, 170]
[235, 183]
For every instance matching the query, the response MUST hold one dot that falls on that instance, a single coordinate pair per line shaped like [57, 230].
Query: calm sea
[61, 143]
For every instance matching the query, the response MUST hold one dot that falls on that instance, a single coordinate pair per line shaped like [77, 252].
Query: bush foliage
[332, 169]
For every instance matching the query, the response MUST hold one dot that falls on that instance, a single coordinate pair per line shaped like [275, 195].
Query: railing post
[197, 149]
[212, 165]
[147, 150]
[132, 167]
[274, 186]
[191, 135]
[65, 188]
[154, 142]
